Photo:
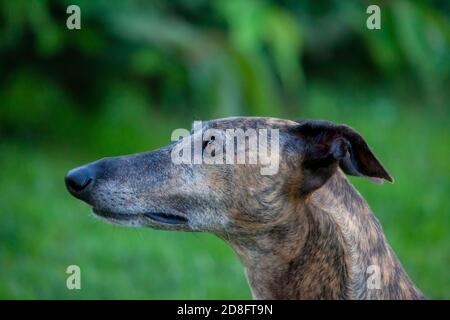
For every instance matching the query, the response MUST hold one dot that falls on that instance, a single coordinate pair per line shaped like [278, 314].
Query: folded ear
[327, 145]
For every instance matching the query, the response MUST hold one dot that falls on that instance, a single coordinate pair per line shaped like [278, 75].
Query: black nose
[78, 180]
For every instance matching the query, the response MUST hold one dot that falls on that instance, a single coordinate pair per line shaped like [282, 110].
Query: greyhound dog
[302, 233]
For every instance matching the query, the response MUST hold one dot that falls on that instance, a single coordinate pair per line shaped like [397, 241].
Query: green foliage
[139, 69]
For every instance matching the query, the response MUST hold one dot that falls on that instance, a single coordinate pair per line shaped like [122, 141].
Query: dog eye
[207, 142]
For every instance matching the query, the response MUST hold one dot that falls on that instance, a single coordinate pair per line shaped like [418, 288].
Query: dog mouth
[161, 217]
[169, 218]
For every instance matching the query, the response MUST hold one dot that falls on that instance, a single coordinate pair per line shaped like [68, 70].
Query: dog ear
[327, 145]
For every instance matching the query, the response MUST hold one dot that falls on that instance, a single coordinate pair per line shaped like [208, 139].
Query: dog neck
[328, 247]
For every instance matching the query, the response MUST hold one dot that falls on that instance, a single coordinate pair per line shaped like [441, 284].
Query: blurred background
[139, 69]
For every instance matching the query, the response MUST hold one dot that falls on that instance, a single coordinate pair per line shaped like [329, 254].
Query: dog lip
[113, 215]
[162, 217]
[166, 217]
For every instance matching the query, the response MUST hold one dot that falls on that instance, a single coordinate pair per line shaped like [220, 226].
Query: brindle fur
[297, 238]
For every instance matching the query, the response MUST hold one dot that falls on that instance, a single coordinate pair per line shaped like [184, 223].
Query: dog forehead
[248, 122]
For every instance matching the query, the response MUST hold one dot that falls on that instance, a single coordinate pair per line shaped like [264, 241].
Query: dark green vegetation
[136, 71]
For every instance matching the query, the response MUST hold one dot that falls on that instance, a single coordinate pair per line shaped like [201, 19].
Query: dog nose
[78, 180]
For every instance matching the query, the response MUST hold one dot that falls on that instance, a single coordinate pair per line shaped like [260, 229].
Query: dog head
[212, 180]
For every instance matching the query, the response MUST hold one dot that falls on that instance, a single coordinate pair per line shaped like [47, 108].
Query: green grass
[136, 71]
[44, 229]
